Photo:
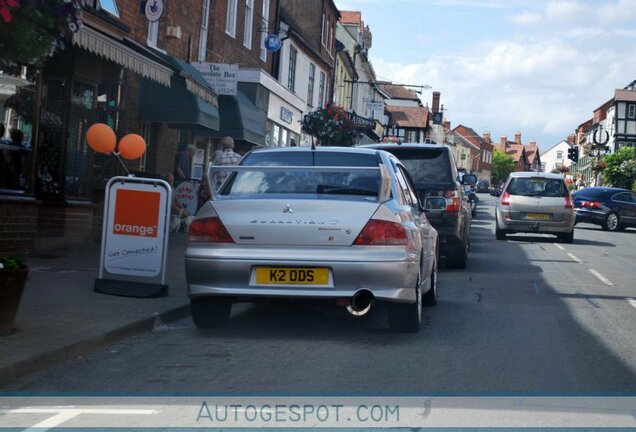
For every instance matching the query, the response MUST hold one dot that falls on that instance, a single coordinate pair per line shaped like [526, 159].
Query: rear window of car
[426, 166]
[537, 186]
[305, 182]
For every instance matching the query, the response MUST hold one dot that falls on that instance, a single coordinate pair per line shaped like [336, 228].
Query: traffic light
[573, 154]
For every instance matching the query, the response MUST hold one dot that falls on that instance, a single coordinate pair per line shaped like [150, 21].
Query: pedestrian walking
[183, 163]
[227, 157]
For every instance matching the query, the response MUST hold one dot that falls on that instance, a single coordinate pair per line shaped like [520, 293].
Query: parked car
[482, 186]
[611, 208]
[435, 174]
[537, 203]
[337, 224]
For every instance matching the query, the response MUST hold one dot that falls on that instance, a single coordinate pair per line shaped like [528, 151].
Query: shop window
[49, 178]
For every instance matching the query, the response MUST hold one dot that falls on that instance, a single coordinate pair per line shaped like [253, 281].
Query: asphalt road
[528, 315]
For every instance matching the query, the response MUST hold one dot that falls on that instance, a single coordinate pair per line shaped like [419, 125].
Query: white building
[557, 156]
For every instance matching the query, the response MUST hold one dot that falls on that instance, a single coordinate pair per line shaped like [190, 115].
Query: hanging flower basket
[331, 126]
[599, 166]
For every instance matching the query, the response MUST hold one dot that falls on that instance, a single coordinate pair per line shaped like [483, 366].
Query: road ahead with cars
[528, 314]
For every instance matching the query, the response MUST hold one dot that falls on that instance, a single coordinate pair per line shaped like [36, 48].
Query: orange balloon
[101, 138]
[132, 146]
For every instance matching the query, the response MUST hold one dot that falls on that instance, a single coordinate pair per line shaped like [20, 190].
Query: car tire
[430, 297]
[499, 233]
[612, 222]
[407, 317]
[210, 312]
[567, 237]
[456, 259]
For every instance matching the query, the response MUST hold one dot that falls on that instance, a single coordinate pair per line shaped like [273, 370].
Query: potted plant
[13, 275]
[599, 166]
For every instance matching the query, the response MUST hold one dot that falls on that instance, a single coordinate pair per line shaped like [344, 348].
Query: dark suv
[440, 191]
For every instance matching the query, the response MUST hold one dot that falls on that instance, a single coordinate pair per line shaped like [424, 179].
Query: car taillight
[452, 200]
[381, 232]
[591, 204]
[209, 230]
[568, 202]
[505, 199]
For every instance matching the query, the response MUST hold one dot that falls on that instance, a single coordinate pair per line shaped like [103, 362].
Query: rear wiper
[345, 190]
[531, 194]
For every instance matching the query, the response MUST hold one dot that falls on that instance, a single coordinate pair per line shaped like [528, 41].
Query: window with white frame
[323, 34]
[631, 111]
[203, 36]
[559, 155]
[327, 27]
[291, 77]
[264, 28]
[153, 33]
[230, 20]
[310, 85]
[321, 90]
[249, 22]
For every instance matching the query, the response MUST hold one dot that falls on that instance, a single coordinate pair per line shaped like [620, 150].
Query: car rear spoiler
[383, 194]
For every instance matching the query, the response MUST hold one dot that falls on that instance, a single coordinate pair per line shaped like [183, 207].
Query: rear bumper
[390, 280]
[515, 225]
[590, 216]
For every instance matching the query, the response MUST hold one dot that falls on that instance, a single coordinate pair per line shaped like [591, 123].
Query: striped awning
[113, 50]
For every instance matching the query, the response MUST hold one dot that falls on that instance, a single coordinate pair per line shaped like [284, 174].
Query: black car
[434, 172]
[611, 208]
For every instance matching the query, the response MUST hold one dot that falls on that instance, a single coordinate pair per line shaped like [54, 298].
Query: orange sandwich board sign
[135, 238]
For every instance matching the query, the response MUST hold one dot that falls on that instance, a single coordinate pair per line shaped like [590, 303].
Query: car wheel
[210, 312]
[612, 222]
[499, 233]
[567, 237]
[458, 257]
[430, 297]
[406, 317]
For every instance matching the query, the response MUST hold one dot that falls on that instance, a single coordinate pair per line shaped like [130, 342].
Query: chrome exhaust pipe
[361, 303]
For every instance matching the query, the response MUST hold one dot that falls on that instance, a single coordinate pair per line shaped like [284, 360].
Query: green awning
[177, 106]
[241, 119]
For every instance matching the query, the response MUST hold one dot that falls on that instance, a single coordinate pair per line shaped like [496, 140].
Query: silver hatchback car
[343, 225]
[537, 203]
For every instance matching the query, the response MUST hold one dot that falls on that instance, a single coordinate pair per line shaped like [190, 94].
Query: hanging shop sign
[272, 43]
[222, 77]
[153, 10]
[374, 106]
[135, 238]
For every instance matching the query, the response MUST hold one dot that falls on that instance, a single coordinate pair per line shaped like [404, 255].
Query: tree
[621, 168]
[502, 166]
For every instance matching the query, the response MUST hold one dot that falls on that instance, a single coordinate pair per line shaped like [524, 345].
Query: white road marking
[559, 246]
[632, 302]
[602, 278]
[574, 257]
[65, 414]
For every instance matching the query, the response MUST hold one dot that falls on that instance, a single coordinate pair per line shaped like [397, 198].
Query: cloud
[528, 19]
[543, 87]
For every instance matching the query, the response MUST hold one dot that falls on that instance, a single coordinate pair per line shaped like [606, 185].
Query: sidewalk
[61, 317]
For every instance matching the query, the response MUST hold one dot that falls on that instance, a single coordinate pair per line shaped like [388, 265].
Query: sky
[539, 67]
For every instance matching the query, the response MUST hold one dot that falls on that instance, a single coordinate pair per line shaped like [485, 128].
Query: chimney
[447, 125]
[504, 141]
[518, 138]
[436, 96]
[533, 142]
[571, 138]
[486, 137]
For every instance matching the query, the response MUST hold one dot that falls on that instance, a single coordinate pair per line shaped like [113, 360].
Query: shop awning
[177, 106]
[241, 119]
[115, 51]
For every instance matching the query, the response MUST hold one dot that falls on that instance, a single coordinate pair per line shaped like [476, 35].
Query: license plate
[292, 276]
[538, 216]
